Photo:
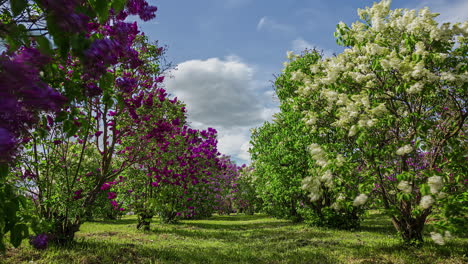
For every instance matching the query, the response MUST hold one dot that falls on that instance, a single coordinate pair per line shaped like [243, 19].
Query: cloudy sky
[228, 51]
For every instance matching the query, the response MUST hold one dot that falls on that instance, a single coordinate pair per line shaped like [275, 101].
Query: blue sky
[227, 52]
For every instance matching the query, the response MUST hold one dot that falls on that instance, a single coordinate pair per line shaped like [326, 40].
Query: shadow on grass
[238, 217]
[239, 236]
[428, 253]
[240, 226]
[125, 221]
[378, 223]
[105, 252]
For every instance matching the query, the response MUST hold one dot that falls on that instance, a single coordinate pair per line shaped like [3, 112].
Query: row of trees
[382, 124]
[86, 129]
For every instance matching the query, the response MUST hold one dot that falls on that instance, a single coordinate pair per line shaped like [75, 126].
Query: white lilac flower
[371, 122]
[314, 68]
[336, 206]
[379, 110]
[447, 235]
[360, 200]
[415, 88]
[435, 183]
[341, 197]
[352, 131]
[405, 187]
[327, 176]
[312, 185]
[441, 195]
[340, 160]
[404, 150]
[327, 179]
[297, 76]
[420, 48]
[437, 238]
[426, 201]
[318, 155]
[314, 197]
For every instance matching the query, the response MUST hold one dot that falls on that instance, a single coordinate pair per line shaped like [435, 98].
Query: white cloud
[217, 92]
[450, 11]
[223, 94]
[266, 23]
[235, 142]
[298, 45]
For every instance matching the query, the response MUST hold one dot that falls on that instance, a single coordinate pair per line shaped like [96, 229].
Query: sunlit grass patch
[238, 239]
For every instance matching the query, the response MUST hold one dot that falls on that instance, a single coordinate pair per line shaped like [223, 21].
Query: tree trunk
[410, 228]
[64, 231]
[144, 221]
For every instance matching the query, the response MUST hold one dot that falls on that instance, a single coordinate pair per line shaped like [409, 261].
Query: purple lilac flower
[106, 186]
[126, 84]
[141, 8]
[102, 53]
[22, 95]
[77, 195]
[114, 204]
[111, 195]
[63, 12]
[39, 242]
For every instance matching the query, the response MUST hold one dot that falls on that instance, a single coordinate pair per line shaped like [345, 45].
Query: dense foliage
[292, 183]
[396, 103]
[88, 131]
[81, 105]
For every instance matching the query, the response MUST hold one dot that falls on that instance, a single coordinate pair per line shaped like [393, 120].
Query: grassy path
[238, 239]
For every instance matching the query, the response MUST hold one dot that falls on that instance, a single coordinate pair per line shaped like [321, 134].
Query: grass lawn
[238, 239]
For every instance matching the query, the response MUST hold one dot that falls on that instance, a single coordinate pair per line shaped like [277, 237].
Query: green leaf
[67, 124]
[401, 177]
[11, 207]
[106, 81]
[18, 233]
[425, 190]
[78, 44]
[61, 116]
[41, 132]
[18, 6]
[102, 9]
[72, 131]
[118, 5]
[2, 243]
[4, 169]
[44, 45]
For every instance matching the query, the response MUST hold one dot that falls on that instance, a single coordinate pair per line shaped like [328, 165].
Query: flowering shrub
[382, 97]
[296, 181]
[246, 199]
[67, 45]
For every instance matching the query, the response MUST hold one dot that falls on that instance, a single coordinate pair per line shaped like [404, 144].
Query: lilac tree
[44, 41]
